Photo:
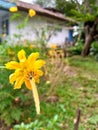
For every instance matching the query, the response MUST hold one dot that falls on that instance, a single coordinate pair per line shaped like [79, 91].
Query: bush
[51, 124]
[14, 103]
[76, 50]
[94, 50]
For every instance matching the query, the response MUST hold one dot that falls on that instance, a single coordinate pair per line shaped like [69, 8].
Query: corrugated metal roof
[41, 11]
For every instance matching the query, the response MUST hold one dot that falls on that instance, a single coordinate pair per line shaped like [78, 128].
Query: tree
[45, 3]
[65, 6]
[87, 14]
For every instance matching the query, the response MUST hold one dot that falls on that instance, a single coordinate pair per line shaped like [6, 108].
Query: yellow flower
[48, 82]
[52, 53]
[27, 71]
[53, 46]
[31, 46]
[32, 12]
[10, 52]
[13, 9]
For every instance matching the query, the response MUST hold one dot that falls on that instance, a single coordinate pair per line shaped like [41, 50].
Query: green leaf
[93, 119]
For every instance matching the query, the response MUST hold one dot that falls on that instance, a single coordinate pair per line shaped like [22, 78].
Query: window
[4, 23]
[5, 27]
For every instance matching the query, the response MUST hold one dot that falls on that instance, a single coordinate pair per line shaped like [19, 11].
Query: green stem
[2, 67]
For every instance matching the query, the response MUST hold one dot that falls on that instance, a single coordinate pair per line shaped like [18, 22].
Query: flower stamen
[30, 75]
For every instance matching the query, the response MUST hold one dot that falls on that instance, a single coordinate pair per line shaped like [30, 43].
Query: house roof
[41, 11]
[44, 11]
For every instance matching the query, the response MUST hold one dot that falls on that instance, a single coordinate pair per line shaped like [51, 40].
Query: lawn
[74, 86]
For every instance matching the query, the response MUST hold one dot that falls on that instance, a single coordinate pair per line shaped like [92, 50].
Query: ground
[77, 88]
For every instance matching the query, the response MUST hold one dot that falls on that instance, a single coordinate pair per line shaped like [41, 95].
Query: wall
[37, 23]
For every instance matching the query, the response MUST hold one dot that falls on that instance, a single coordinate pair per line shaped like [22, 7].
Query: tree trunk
[88, 42]
[90, 29]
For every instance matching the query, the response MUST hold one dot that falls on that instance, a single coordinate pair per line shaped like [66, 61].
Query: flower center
[30, 75]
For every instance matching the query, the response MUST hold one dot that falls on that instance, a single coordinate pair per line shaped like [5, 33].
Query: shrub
[51, 124]
[94, 50]
[14, 103]
[76, 50]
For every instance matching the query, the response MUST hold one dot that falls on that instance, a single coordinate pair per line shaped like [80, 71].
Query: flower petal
[33, 57]
[12, 78]
[22, 55]
[32, 12]
[38, 72]
[12, 65]
[28, 84]
[37, 80]
[38, 64]
[19, 82]
[13, 9]
[37, 75]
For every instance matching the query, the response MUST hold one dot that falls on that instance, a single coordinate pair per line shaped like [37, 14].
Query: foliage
[93, 119]
[44, 3]
[12, 101]
[53, 69]
[94, 50]
[51, 124]
[77, 89]
[44, 35]
[76, 49]
[65, 6]
[81, 17]
[16, 16]
[85, 13]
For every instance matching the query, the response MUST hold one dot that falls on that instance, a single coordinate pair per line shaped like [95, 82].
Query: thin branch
[77, 119]
[78, 5]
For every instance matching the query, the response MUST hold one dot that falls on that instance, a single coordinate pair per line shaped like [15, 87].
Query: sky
[31, 1]
[51, 4]
[28, 1]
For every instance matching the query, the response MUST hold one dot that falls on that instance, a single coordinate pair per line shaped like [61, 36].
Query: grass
[78, 89]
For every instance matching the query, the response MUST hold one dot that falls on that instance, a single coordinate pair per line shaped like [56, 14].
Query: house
[45, 18]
